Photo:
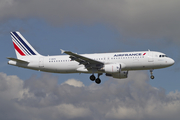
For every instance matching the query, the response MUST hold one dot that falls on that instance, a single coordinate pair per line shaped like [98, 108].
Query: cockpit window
[162, 56]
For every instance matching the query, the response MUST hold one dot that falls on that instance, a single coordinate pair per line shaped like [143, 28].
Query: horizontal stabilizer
[17, 60]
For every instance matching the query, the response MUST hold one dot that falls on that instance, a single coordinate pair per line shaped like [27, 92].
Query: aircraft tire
[98, 81]
[92, 77]
[152, 77]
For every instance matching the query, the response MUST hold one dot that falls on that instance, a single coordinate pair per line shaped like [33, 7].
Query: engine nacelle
[121, 75]
[113, 68]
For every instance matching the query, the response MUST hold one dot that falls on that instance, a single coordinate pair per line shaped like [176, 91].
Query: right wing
[87, 62]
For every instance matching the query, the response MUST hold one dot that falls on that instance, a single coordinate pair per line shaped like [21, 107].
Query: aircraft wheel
[152, 77]
[98, 81]
[92, 77]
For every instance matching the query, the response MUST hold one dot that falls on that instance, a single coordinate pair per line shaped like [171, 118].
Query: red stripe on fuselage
[17, 48]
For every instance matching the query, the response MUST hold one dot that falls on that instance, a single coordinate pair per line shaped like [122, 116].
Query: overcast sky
[88, 26]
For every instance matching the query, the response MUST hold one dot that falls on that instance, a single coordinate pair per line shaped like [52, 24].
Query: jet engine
[120, 75]
[113, 68]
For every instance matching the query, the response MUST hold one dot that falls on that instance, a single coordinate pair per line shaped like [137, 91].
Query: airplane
[116, 65]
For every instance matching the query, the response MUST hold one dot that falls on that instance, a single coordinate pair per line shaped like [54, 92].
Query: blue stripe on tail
[20, 39]
[21, 45]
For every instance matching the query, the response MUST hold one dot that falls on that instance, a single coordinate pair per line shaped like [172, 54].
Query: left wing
[87, 62]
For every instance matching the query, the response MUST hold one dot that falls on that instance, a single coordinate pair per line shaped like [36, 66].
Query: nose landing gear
[152, 76]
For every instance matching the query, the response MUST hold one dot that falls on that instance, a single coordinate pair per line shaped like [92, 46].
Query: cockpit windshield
[162, 56]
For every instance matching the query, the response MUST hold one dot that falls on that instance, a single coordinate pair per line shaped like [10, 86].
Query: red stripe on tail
[19, 51]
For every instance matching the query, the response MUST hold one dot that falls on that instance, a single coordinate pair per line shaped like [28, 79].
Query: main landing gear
[93, 78]
[152, 76]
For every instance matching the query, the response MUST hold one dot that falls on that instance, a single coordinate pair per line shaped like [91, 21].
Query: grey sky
[138, 19]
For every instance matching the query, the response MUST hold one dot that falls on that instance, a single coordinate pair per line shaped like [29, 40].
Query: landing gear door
[150, 56]
[41, 62]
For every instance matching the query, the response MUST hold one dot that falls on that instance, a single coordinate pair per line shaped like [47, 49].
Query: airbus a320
[116, 65]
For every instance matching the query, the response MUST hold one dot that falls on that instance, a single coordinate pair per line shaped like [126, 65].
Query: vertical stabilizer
[22, 46]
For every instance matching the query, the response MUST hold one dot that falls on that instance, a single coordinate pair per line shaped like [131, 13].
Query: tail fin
[22, 47]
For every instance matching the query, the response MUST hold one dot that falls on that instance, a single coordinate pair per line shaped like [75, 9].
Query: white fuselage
[115, 65]
[140, 60]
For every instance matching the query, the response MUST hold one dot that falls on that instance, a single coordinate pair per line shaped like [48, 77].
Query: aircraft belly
[138, 64]
[69, 67]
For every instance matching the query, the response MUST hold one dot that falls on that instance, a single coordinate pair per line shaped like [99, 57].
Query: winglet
[62, 51]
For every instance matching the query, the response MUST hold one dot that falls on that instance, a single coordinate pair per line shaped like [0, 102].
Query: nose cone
[171, 61]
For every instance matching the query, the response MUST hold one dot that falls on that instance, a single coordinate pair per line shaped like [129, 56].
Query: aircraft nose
[171, 61]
